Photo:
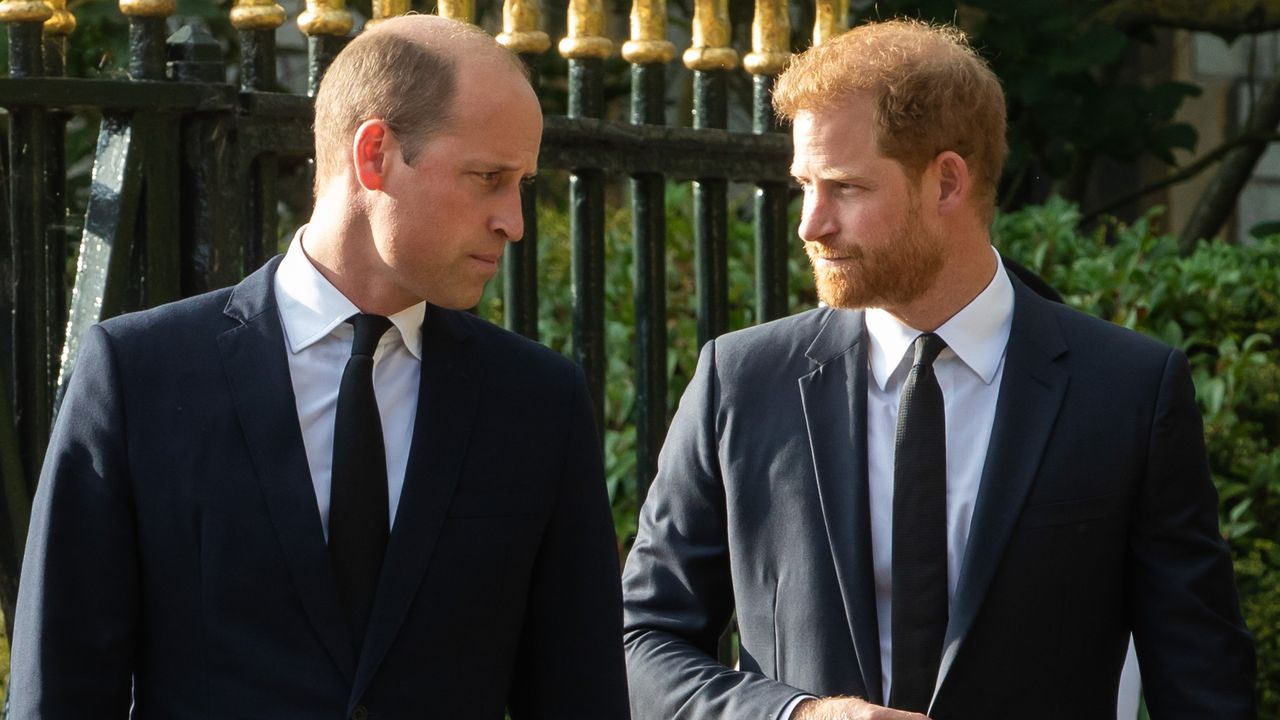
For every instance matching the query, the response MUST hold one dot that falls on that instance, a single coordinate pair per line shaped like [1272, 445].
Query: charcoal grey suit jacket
[1095, 517]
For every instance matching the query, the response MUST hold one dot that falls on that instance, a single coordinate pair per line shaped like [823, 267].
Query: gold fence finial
[383, 9]
[648, 43]
[770, 39]
[14, 11]
[586, 31]
[710, 47]
[257, 15]
[521, 27]
[149, 8]
[462, 10]
[62, 22]
[325, 17]
[832, 19]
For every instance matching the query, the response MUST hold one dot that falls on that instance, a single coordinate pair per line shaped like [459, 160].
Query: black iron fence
[186, 181]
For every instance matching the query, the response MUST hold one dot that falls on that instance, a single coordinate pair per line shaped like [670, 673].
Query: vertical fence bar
[214, 250]
[146, 36]
[256, 21]
[586, 48]
[831, 19]
[710, 57]
[159, 275]
[56, 29]
[649, 51]
[32, 368]
[326, 24]
[521, 34]
[770, 40]
[26, 386]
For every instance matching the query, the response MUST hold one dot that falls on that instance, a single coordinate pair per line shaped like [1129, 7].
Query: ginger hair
[931, 93]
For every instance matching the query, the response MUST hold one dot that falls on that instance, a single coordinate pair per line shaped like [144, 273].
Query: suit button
[360, 713]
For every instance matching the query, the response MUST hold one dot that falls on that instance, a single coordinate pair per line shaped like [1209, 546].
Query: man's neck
[339, 243]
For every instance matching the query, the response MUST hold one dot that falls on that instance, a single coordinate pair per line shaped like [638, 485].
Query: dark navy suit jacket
[176, 558]
[1095, 517]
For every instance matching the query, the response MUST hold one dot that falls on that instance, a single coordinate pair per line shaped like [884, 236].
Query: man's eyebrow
[497, 165]
[830, 173]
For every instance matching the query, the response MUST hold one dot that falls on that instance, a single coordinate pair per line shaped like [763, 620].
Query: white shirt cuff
[790, 709]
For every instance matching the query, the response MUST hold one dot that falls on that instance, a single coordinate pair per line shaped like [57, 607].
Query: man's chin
[844, 295]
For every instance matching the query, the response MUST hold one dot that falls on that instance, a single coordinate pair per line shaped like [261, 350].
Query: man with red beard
[940, 494]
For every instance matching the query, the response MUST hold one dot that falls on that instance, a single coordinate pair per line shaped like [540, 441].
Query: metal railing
[186, 181]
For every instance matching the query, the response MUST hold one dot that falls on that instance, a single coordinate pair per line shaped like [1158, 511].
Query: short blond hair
[932, 93]
[406, 75]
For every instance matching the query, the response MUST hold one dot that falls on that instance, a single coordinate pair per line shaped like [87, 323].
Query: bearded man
[940, 493]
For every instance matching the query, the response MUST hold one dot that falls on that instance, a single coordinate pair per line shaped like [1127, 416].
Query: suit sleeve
[75, 631]
[570, 664]
[677, 586]
[1194, 652]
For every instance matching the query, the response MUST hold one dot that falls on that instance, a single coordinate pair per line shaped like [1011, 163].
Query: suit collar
[311, 307]
[254, 295]
[257, 369]
[839, 332]
[834, 397]
[1031, 395]
[977, 334]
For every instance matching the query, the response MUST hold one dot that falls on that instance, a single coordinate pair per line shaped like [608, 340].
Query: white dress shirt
[969, 372]
[318, 339]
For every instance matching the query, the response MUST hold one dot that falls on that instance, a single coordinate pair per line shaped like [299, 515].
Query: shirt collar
[977, 334]
[311, 307]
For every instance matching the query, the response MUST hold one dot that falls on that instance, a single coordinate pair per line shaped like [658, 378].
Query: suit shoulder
[514, 353]
[171, 322]
[775, 340]
[1107, 347]
[777, 335]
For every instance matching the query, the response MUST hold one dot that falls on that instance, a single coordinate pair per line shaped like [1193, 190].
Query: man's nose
[508, 216]
[816, 222]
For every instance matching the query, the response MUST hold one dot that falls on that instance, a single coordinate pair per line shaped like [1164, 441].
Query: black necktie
[919, 594]
[358, 514]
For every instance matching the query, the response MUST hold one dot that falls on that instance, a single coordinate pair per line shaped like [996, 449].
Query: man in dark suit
[940, 494]
[328, 492]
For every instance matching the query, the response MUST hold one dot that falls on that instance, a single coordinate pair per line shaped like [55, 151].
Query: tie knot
[369, 330]
[927, 347]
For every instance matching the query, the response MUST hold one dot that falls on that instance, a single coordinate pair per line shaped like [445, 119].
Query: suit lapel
[253, 356]
[447, 400]
[1031, 394]
[834, 396]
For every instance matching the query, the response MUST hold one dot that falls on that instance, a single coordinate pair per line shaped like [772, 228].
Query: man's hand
[847, 708]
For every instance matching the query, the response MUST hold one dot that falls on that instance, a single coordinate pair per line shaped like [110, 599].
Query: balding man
[327, 492]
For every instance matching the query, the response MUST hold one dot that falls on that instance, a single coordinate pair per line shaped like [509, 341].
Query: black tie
[919, 594]
[358, 514]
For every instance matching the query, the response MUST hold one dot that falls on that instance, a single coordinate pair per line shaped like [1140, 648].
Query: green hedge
[1220, 304]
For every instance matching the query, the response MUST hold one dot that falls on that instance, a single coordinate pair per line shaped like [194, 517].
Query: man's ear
[371, 149]
[954, 182]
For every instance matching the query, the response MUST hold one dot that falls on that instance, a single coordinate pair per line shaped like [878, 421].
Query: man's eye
[488, 178]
